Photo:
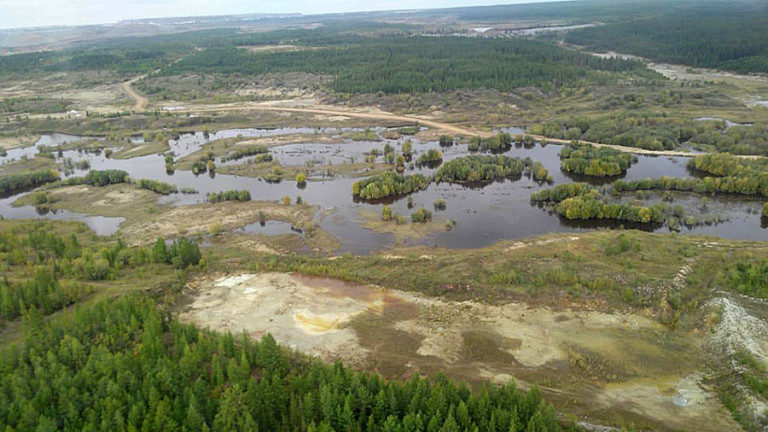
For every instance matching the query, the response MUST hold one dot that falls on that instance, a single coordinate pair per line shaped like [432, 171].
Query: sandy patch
[520, 245]
[118, 197]
[313, 318]
[626, 362]
[197, 219]
[15, 142]
[682, 404]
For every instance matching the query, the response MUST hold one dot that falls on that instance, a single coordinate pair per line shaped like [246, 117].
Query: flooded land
[482, 214]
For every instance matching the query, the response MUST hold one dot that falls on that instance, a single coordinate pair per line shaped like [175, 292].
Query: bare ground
[618, 366]
[198, 219]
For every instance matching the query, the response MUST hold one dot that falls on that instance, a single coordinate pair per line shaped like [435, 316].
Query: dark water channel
[483, 215]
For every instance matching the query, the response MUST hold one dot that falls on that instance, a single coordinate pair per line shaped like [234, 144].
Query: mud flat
[606, 367]
[197, 219]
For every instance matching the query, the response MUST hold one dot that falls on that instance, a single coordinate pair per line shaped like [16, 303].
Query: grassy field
[27, 165]
[121, 200]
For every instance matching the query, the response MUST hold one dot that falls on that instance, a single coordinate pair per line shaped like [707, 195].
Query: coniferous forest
[129, 365]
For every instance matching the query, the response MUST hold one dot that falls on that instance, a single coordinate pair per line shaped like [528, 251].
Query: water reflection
[484, 213]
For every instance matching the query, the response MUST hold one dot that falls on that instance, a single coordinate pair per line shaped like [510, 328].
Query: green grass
[624, 269]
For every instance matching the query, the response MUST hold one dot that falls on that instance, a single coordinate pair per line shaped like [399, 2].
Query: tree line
[45, 271]
[500, 142]
[157, 186]
[480, 168]
[727, 36]
[230, 195]
[13, 183]
[589, 160]
[658, 131]
[125, 364]
[389, 184]
[726, 174]
[398, 64]
[578, 201]
[244, 152]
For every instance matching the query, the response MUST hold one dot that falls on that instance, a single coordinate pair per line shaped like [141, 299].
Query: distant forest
[731, 36]
[418, 64]
[362, 58]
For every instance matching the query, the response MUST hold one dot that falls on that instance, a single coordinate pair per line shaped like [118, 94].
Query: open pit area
[598, 366]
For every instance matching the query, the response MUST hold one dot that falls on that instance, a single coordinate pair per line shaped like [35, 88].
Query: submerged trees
[479, 168]
[389, 184]
[589, 160]
[230, 195]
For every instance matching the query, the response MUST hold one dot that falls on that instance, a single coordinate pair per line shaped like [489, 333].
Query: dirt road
[455, 129]
[140, 102]
[459, 130]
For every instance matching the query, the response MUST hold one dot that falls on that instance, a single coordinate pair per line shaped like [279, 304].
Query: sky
[33, 13]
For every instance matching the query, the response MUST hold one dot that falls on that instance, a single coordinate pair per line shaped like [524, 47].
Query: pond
[483, 215]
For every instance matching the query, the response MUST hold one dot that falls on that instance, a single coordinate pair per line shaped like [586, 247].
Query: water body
[484, 215]
[728, 124]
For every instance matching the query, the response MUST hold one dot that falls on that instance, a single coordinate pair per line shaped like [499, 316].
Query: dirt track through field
[455, 129]
[140, 102]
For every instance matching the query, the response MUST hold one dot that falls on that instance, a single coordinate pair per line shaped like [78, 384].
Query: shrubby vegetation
[200, 166]
[101, 178]
[230, 195]
[739, 139]
[34, 105]
[581, 201]
[18, 182]
[366, 135]
[182, 253]
[126, 364]
[407, 148]
[430, 157]
[539, 173]
[386, 213]
[275, 175]
[389, 184]
[725, 165]
[561, 192]
[479, 168]
[244, 152]
[421, 215]
[708, 185]
[588, 206]
[157, 186]
[45, 271]
[409, 130]
[301, 179]
[589, 160]
[728, 174]
[658, 131]
[204, 164]
[98, 178]
[748, 277]
[499, 142]
[266, 157]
